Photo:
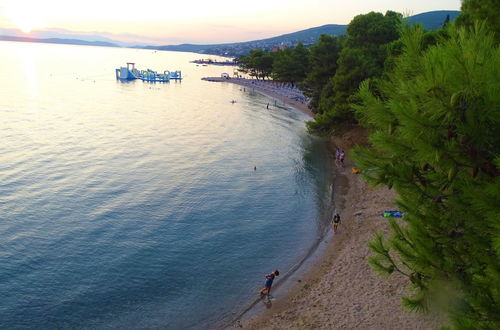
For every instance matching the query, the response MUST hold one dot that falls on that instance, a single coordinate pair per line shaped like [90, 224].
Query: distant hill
[60, 41]
[307, 37]
[430, 20]
[433, 20]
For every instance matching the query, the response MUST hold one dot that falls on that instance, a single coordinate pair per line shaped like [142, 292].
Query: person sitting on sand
[266, 290]
[336, 221]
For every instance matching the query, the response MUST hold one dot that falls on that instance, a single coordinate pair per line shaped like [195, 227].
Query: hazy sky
[197, 21]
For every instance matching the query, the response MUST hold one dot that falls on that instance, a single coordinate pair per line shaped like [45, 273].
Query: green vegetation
[330, 71]
[362, 57]
[431, 102]
[434, 122]
[291, 64]
[434, 116]
[323, 59]
[257, 64]
[477, 10]
[288, 65]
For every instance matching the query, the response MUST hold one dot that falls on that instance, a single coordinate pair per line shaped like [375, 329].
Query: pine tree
[480, 10]
[435, 140]
[323, 59]
[363, 56]
[446, 21]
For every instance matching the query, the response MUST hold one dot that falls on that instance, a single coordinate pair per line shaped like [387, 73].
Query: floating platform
[131, 73]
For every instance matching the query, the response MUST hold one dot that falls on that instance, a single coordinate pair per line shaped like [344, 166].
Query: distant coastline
[60, 41]
[430, 20]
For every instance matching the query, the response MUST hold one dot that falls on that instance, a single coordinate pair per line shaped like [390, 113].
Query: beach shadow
[267, 302]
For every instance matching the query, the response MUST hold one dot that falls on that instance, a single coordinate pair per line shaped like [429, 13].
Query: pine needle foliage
[487, 10]
[435, 139]
[363, 55]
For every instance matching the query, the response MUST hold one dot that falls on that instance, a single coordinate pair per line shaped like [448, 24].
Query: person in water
[336, 221]
[266, 290]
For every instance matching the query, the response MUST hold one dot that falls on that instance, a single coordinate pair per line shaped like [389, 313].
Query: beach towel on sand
[392, 214]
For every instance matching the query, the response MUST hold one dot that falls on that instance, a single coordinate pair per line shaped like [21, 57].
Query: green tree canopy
[364, 54]
[362, 57]
[291, 64]
[481, 10]
[257, 64]
[435, 140]
[373, 29]
[323, 61]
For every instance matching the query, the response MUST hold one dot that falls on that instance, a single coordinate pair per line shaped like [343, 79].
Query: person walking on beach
[266, 290]
[336, 221]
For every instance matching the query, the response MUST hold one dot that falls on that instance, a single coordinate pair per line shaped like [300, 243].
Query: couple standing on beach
[339, 157]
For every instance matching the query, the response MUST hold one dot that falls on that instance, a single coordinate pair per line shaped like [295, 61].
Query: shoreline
[341, 291]
[286, 285]
[336, 288]
[267, 88]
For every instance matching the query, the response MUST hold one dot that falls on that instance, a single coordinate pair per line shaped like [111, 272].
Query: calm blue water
[136, 205]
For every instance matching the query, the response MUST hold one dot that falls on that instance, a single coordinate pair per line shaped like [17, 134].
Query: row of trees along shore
[431, 103]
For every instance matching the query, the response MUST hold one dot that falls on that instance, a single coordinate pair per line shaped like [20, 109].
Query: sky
[195, 21]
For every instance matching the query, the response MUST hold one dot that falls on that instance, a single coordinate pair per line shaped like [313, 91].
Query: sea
[136, 205]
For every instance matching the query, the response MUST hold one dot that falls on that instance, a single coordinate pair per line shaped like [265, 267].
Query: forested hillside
[430, 20]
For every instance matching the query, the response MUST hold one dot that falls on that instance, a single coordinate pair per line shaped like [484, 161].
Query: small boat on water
[129, 72]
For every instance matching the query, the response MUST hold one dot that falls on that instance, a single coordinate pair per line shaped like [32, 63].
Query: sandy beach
[341, 291]
[289, 96]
